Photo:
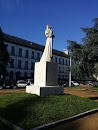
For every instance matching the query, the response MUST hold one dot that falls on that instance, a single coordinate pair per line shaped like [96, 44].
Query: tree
[85, 56]
[4, 56]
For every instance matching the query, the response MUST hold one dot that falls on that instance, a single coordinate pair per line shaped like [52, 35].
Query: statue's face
[49, 27]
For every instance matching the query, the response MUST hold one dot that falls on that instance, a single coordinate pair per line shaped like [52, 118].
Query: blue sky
[27, 19]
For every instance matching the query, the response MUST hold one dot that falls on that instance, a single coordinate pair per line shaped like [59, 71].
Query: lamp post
[70, 74]
[67, 52]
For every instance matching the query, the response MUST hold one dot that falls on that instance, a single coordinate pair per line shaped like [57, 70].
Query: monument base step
[45, 90]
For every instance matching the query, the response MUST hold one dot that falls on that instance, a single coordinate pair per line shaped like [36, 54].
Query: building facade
[24, 54]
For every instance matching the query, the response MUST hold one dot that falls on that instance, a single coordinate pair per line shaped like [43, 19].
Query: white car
[75, 83]
[21, 83]
[30, 82]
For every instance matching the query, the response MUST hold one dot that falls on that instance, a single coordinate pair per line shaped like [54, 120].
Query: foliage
[4, 56]
[29, 111]
[85, 56]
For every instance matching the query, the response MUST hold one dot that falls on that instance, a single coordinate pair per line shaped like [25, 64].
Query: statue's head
[48, 26]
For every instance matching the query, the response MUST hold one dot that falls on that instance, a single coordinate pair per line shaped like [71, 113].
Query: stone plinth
[45, 90]
[45, 80]
[46, 74]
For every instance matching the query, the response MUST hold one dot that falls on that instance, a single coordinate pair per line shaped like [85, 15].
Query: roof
[29, 44]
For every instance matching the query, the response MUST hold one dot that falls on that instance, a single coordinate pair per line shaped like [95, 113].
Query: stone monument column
[46, 71]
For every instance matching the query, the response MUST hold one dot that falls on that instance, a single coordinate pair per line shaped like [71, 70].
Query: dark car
[65, 84]
[8, 84]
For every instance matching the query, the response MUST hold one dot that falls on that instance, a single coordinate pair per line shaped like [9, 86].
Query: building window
[19, 64]
[52, 58]
[63, 70]
[32, 75]
[11, 75]
[38, 56]
[56, 59]
[32, 56]
[32, 65]
[26, 64]
[63, 61]
[59, 69]
[26, 54]
[25, 74]
[12, 63]
[13, 50]
[18, 75]
[66, 62]
[59, 60]
[20, 52]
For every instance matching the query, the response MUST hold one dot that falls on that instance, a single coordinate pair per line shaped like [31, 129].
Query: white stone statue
[47, 55]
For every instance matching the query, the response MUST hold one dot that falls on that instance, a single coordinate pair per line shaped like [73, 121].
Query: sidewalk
[86, 93]
[89, 122]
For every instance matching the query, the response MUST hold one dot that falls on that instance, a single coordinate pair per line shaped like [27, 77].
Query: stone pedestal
[46, 74]
[45, 90]
[45, 80]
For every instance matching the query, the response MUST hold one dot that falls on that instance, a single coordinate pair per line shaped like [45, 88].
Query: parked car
[30, 81]
[82, 83]
[88, 83]
[95, 83]
[60, 83]
[75, 83]
[65, 84]
[21, 83]
[8, 84]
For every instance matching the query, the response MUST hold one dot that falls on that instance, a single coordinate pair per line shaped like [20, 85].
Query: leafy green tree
[85, 56]
[4, 56]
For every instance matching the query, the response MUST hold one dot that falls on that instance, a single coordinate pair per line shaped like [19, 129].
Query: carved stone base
[45, 90]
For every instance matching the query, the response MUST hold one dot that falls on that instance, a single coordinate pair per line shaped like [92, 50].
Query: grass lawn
[29, 111]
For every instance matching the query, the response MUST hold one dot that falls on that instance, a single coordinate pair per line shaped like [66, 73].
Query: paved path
[86, 93]
[86, 123]
[11, 91]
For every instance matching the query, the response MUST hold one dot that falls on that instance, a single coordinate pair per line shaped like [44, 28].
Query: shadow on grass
[93, 98]
[19, 111]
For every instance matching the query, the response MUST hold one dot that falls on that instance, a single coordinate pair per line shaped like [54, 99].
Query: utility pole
[70, 74]
[67, 52]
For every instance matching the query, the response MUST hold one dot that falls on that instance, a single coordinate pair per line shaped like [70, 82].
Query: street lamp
[70, 74]
[67, 52]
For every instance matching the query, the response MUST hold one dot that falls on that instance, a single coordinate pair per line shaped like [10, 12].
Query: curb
[11, 125]
[62, 121]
